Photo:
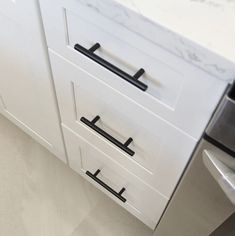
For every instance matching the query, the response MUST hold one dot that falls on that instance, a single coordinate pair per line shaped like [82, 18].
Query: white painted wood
[161, 150]
[142, 201]
[26, 88]
[178, 90]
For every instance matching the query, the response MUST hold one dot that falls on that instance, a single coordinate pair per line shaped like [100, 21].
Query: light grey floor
[40, 196]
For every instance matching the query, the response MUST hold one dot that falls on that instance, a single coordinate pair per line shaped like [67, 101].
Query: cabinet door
[26, 91]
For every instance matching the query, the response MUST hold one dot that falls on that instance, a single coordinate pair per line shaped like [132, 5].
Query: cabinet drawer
[157, 153]
[139, 199]
[176, 91]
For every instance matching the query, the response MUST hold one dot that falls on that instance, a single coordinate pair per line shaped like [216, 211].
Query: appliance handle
[222, 173]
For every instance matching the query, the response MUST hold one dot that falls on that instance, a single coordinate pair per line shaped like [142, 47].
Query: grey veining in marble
[201, 32]
[40, 196]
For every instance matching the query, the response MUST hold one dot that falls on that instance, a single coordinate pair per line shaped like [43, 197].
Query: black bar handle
[122, 146]
[100, 182]
[131, 79]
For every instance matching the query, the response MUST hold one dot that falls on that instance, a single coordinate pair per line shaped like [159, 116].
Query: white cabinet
[158, 151]
[131, 112]
[26, 88]
[125, 130]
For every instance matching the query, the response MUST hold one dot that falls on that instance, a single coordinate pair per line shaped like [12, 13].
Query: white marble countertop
[199, 31]
[210, 23]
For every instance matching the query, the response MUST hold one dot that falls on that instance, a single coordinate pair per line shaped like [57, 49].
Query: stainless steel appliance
[204, 201]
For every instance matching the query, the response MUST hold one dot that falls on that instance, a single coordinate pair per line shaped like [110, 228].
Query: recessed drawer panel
[173, 89]
[148, 146]
[127, 190]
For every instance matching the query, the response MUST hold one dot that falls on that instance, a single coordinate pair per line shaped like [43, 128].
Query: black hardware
[92, 125]
[131, 79]
[96, 179]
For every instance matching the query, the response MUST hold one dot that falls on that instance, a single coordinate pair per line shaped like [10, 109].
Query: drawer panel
[141, 200]
[159, 151]
[176, 90]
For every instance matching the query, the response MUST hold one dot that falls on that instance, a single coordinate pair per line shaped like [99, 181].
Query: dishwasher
[204, 201]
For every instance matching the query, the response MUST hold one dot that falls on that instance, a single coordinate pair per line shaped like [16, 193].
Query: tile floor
[40, 196]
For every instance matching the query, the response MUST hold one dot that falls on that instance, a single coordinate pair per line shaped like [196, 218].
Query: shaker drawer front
[169, 86]
[148, 146]
[77, 32]
[115, 181]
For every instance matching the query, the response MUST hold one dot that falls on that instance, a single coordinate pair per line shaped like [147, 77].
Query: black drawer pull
[131, 79]
[96, 179]
[122, 146]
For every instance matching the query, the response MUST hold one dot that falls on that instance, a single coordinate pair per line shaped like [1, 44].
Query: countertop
[201, 32]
